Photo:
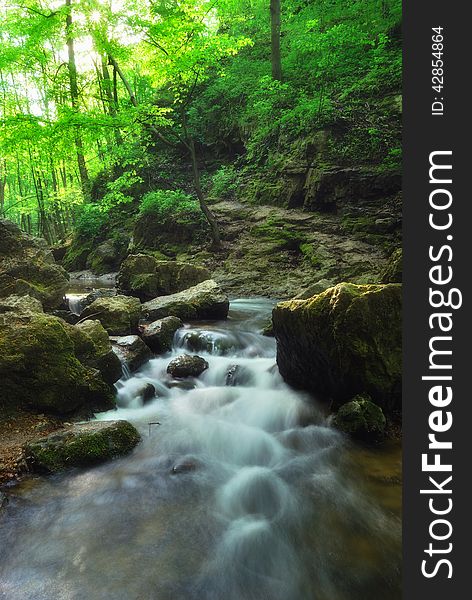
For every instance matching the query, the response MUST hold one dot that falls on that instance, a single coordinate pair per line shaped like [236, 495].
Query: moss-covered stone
[342, 342]
[159, 335]
[82, 445]
[27, 267]
[99, 354]
[107, 256]
[40, 367]
[147, 277]
[21, 305]
[167, 233]
[119, 315]
[361, 419]
[203, 301]
[393, 272]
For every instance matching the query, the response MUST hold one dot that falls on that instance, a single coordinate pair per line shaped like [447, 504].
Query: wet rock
[3, 500]
[81, 445]
[41, 367]
[394, 269]
[181, 384]
[186, 466]
[159, 334]
[20, 305]
[100, 355]
[361, 419]
[239, 375]
[268, 329]
[187, 366]
[147, 277]
[131, 350]
[118, 314]
[27, 266]
[146, 392]
[95, 295]
[203, 301]
[343, 342]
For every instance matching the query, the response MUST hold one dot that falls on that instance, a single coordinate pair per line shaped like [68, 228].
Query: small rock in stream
[186, 365]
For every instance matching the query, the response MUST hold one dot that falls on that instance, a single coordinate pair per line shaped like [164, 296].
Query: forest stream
[240, 490]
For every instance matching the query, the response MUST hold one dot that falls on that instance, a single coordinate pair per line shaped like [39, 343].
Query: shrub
[175, 204]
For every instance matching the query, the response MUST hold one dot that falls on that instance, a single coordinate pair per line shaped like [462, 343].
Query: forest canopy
[100, 99]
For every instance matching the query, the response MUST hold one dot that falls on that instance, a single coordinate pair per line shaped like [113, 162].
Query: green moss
[362, 419]
[277, 232]
[82, 446]
[310, 255]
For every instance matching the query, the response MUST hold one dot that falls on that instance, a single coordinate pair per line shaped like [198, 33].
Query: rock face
[27, 267]
[82, 445]
[159, 335]
[119, 315]
[22, 305]
[99, 354]
[361, 419]
[203, 301]
[43, 365]
[131, 351]
[393, 272]
[107, 256]
[343, 342]
[146, 277]
[187, 366]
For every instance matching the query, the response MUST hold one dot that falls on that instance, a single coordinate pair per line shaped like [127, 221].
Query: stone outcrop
[49, 365]
[343, 342]
[27, 267]
[119, 315]
[146, 277]
[203, 301]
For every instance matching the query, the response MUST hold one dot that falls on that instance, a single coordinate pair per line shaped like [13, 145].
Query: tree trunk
[276, 59]
[74, 96]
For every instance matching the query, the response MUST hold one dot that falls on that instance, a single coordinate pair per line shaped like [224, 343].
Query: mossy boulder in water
[41, 367]
[82, 445]
[27, 266]
[159, 334]
[146, 277]
[119, 315]
[131, 351]
[203, 301]
[94, 349]
[186, 365]
[107, 256]
[361, 419]
[343, 342]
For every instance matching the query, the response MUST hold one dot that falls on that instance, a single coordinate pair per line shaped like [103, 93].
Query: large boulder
[94, 349]
[146, 277]
[159, 334]
[20, 305]
[107, 256]
[81, 445]
[131, 351]
[343, 342]
[186, 365]
[41, 367]
[203, 301]
[27, 266]
[361, 419]
[118, 314]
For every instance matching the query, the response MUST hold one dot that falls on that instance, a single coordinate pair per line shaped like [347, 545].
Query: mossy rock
[27, 267]
[361, 419]
[203, 301]
[147, 277]
[82, 445]
[99, 354]
[20, 305]
[159, 335]
[167, 233]
[41, 368]
[393, 272]
[107, 256]
[343, 342]
[119, 315]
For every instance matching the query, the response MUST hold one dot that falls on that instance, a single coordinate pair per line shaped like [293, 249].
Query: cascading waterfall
[241, 493]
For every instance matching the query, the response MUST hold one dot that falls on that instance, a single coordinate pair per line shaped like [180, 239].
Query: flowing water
[241, 492]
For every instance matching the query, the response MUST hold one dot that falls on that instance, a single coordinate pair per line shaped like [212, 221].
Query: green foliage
[91, 221]
[225, 183]
[177, 205]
